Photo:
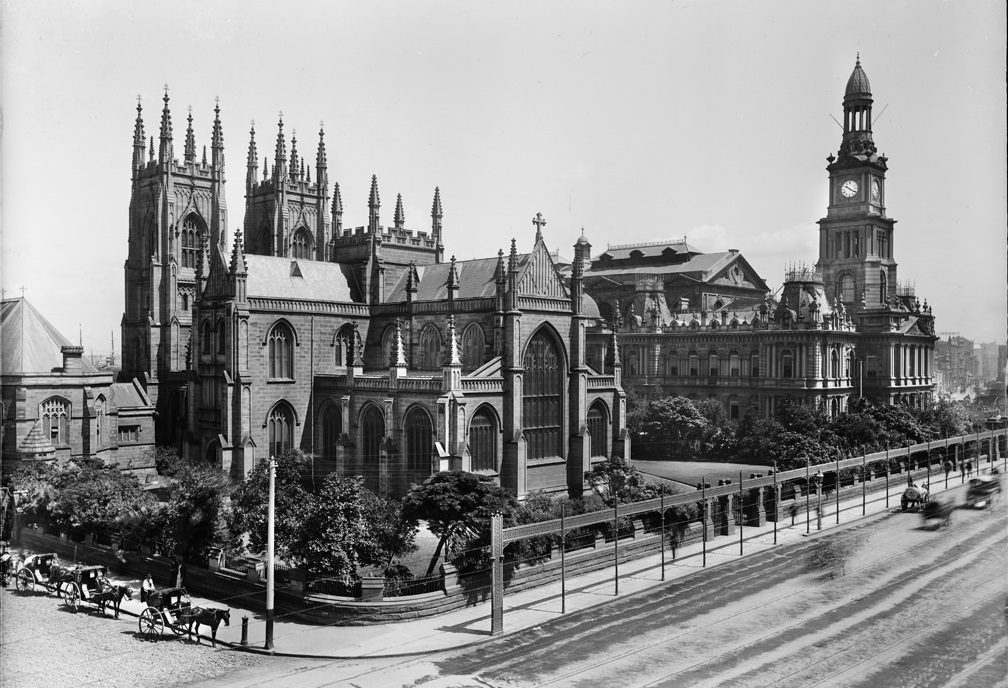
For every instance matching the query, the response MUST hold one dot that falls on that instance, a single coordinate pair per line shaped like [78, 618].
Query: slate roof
[36, 443]
[129, 394]
[29, 343]
[476, 279]
[306, 280]
[651, 249]
[704, 263]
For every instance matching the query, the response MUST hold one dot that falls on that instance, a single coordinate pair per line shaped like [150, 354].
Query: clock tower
[856, 236]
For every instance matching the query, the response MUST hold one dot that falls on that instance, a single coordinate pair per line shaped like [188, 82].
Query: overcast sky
[636, 121]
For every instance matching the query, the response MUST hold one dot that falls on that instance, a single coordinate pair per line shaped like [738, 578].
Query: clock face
[875, 189]
[849, 188]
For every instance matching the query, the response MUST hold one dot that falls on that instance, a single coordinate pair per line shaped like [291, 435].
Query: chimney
[72, 358]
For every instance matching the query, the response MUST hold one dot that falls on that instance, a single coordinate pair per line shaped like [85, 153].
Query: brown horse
[112, 596]
[208, 617]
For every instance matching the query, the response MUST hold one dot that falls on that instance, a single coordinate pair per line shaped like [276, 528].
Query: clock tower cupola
[856, 236]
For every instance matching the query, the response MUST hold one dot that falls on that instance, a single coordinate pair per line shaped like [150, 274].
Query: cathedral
[706, 326]
[361, 346]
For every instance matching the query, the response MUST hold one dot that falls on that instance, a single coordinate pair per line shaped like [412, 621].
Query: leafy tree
[36, 481]
[91, 495]
[250, 504]
[617, 482]
[671, 426]
[457, 507]
[946, 418]
[195, 518]
[389, 535]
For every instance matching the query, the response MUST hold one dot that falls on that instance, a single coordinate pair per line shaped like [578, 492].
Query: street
[882, 602]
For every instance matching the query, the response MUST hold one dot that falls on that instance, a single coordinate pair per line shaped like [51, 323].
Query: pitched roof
[29, 343]
[35, 443]
[704, 262]
[650, 249]
[476, 280]
[306, 280]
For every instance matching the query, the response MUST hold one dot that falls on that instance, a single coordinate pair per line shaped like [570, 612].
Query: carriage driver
[146, 588]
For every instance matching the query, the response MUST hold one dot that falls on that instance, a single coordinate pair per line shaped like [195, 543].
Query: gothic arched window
[430, 348]
[834, 364]
[281, 429]
[598, 422]
[220, 336]
[343, 343]
[301, 244]
[332, 428]
[473, 342]
[483, 440]
[189, 238]
[419, 440]
[101, 431]
[372, 430]
[281, 350]
[847, 288]
[206, 339]
[542, 397]
[883, 288]
[55, 414]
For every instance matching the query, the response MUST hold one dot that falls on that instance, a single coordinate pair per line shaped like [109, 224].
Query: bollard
[244, 640]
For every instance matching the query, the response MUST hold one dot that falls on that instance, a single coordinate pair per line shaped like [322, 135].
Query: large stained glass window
[542, 409]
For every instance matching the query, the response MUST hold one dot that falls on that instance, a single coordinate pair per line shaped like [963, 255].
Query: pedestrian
[146, 588]
[969, 467]
[794, 511]
[180, 574]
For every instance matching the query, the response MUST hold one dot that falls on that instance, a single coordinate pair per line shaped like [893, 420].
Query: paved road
[880, 603]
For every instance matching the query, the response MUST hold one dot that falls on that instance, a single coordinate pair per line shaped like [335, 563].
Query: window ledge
[280, 380]
[547, 461]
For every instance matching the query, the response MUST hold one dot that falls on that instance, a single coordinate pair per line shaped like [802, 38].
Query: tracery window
[542, 407]
[372, 430]
[597, 426]
[281, 429]
[473, 342]
[301, 244]
[332, 428]
[344, 346]
[419, 440]
[430, 348]
[189, 239]
[281, 359]
[55, 414]
[483, 440]
[883, 288]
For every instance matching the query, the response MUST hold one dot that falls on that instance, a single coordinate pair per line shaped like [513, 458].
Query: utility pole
[269, 553]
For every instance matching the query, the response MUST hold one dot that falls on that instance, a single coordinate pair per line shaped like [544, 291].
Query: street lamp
[818, 480]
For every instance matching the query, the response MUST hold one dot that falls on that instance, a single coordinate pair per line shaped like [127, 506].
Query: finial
[400, 216]
[858, 57]
[166, 93]
[539, 221]
[204, 155]
[216, 107]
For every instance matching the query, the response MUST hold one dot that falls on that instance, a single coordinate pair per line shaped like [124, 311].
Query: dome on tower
[858, 84]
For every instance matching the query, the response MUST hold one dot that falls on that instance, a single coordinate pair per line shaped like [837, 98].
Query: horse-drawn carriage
[90, 585]
[43, 571]
[936, 513]
[914, 497]
[172, 609]
[8, 565]
[982, 490]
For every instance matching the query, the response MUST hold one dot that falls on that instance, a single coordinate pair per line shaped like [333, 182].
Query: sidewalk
[535, 606]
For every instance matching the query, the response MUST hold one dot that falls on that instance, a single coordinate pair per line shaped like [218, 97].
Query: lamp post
[818, 480]
[269, 553]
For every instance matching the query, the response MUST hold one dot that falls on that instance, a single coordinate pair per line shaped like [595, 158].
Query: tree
[668, 427]
[617, 482]
[91, 495]
[36, 483]
[197, 510]
[250, 502]
[457, 507]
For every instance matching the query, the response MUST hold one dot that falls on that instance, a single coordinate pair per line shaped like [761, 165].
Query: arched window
[332, 428]
[734, 364]
[281, 350]
[883, 287]
[787, 364]
[185, 302]
[281, 429]
[672, 364]
[206, 339]
[189, 239]
[419, 441]
[343, 344]
[473, 342]
[372, 430]
[715, 364]
[542, 392]
[598, 422]
[483, 440]
[430, 348]
[301, 244]
[847, 288]
[834, 364]
[694, 365]
[220, 336]
[101, 431]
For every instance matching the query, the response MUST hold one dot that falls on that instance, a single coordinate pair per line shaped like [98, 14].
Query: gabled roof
[29, 343]
[702, 263]
[476, 280]
[649, 249]
[290, 278]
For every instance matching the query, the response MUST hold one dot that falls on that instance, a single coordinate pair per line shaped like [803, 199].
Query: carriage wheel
[178, 628]
[73, 598]
[151, 623]
[25, 581]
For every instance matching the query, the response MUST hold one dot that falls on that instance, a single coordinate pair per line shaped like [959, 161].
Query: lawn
[689, 473]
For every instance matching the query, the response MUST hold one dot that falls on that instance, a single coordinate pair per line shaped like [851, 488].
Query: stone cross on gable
[539, 221]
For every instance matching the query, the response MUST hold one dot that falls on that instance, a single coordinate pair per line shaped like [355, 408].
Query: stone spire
[321, 164]
[150, 155]
[337, 210]
[217, 143]
[251, 164]
[453, 352]
[400, 216]
[613, 354]
[374, 205]
[238, 266]
[280, 155]
[190, 140]
[294, 156]
[204, 156]
[398, 359]
[513, 266]
[139, 140]
[165, 154]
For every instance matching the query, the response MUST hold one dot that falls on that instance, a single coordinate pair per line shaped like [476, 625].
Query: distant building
[955, 358]
[56, 405]
[704, 326]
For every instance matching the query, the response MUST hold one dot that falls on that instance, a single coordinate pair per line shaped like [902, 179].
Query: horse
[208, 617]
[112, 595]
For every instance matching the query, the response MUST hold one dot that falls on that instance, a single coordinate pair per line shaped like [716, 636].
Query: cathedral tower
[856, 237]
[176, 208]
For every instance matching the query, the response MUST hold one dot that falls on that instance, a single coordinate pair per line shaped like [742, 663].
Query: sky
[633, 121]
